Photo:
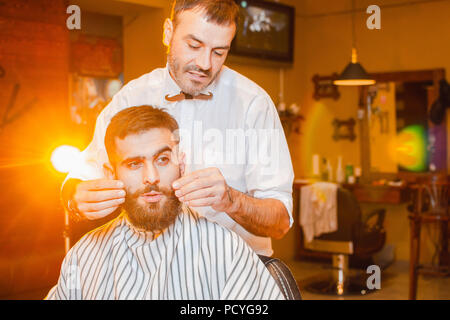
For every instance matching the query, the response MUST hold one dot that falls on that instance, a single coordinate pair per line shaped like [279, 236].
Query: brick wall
[34, 54]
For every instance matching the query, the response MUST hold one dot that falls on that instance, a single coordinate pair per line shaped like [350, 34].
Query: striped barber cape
[193, 259]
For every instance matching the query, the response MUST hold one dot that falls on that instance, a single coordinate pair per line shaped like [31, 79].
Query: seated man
[157, 248]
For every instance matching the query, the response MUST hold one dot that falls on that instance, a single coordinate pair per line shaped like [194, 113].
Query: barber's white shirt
[238, 131]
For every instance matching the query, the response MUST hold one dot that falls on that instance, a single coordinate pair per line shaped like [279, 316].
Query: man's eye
[134, 164]
[220, 54]
[162, 161]
[193, 47]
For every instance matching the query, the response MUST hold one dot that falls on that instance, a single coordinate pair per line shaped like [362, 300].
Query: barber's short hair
[221, 12]
[136, 120]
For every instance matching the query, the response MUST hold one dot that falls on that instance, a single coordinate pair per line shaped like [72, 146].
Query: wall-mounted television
[266, 31]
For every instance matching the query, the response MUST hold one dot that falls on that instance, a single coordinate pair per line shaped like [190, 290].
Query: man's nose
[204, 60]
[151, 175]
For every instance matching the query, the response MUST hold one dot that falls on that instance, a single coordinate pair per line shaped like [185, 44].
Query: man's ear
[108, 171]
[168, 32]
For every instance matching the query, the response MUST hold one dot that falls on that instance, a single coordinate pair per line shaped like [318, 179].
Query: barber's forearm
[261, 217]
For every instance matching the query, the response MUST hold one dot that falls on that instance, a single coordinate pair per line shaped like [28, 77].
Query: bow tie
[187, 96]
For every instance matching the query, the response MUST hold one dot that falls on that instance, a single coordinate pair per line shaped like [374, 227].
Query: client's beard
[153, 217]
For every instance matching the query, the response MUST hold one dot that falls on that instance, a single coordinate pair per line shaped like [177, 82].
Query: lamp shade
[354, 74]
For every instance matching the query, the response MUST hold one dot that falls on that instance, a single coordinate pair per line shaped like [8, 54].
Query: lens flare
[66, 158]
[411, 148]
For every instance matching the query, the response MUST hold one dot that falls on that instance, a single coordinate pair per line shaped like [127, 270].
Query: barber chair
[283, 277]
[355, 237]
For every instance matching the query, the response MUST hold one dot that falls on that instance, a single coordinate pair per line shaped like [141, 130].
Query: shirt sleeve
[269, 172]
[248, 278]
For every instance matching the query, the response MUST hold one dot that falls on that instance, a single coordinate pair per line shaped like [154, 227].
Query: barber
[252, 194]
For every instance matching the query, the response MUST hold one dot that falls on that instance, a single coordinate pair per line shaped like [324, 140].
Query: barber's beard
[153, 217]
[178, 71]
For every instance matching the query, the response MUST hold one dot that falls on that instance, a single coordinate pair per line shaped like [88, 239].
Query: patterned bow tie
[187, 96]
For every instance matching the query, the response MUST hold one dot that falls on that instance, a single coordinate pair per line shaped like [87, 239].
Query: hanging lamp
[354, 74]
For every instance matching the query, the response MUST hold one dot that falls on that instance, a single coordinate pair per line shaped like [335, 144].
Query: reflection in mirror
[398, 126]
[398, 139]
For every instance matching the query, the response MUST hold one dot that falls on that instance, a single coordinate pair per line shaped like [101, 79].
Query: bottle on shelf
[340, 175]
[358, 174]
[316, 166]
[325, 175]
[330, 171]
[349, 175]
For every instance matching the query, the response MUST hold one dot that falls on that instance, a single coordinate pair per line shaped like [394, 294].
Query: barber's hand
[205, 187]
[96, 199]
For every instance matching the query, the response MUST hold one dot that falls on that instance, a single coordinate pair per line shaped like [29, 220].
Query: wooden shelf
[378, 194]
[367, 193]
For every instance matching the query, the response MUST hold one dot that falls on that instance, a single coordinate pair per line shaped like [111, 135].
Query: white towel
[318, 209]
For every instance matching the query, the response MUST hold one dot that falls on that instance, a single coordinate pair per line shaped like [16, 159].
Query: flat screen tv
[266, 31]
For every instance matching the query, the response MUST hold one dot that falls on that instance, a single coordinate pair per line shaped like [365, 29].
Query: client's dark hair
[135, 120]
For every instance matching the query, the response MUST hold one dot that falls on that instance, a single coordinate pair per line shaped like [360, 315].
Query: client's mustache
[152, 187]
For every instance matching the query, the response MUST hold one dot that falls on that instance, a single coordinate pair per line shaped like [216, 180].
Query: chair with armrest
[283, 277]
[355, 237]
[430, 203]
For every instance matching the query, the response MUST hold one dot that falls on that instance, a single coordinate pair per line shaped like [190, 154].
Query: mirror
[397, 137]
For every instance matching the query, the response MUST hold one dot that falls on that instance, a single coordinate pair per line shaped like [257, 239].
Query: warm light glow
[354, 82]
[66, 158]
[410, 148]
[354, 56]
[340, 289]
